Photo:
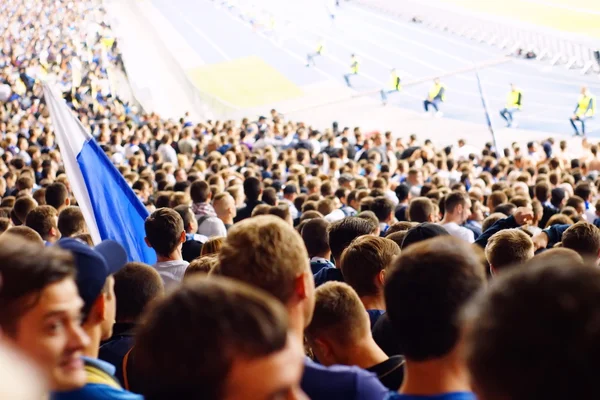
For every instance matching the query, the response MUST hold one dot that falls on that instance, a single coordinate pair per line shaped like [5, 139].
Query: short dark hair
[186, 215]
[343, 232]
[535, 326]
[22, 207]
[163, 230]
[56, 194]
[364, 259]
[231, 320]
[542, 191]
[425, 290]
[136, 284]
[200, 191]
[41, 220]
[315, 236]
[71, 221]
[382, 207]
[252, 188]
[454, 199]
[505, 208]
[582, 237]
[583, 190]
[269, 196]
[27, 269]
[419, 209]
[402, 192]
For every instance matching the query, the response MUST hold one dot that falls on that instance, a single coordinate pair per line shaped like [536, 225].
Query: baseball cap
[422, 232]
[94, 265]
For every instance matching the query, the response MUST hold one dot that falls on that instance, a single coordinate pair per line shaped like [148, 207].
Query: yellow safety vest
[354, 66]
[514, 99]
[396, 82]
[320, 48]
[435, 90]
[584, 104]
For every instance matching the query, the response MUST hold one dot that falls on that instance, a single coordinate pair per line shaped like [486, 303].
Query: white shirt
[168, 153]
[459, 232]
[212, 226]
[171, 272]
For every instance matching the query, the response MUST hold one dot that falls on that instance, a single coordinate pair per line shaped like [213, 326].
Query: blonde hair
[508, 247]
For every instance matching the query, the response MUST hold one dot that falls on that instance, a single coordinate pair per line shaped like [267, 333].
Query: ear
[68, 201]
[182, 237]
[324, 351]
[381, 277]
[97, 311]
[147, 242]
[300, 287]
[493, 270]
[54, 232]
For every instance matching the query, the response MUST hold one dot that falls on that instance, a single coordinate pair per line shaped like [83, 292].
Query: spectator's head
[426, 289]
[238, 333]
[316, 238]
[457, 206]
[22, 207]
[339, 326]
[71, 222]
[421, 209]
[402, 192]
[269, 196]
[41, 310]
[383, 208]
[57, 196]
[343, 232]
[491, 220]
[190, 223]
[508, 248]
[136, 285]
[252, 189]
[422, 232]
[27, 234]
[558, 197]
[4, 225]
[44, 220]
[506, 209]
[269, 254]
[200, 192]
[165, 233]
[555, 307]
[212, 246]
[566, 256]
[282, 211]
[577, 203]
[495, 199]
[224, 205]
[364, 264]
[584, 238]
[542, 191]
[202, 265]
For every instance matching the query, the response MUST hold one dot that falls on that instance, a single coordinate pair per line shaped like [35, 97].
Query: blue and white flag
[110, 207]
[487, 114]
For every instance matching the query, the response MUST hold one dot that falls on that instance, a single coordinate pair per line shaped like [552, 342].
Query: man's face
[275, 377]
[50, 333]
[466, 211]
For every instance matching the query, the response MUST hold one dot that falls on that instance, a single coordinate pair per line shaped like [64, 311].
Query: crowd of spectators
[292, 262]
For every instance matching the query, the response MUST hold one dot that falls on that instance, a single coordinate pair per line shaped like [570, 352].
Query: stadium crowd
[292, 262]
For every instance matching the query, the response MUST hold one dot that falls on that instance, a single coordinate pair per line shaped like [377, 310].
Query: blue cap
[94, 265]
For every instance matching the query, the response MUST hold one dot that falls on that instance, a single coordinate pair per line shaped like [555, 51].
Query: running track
[217, 34]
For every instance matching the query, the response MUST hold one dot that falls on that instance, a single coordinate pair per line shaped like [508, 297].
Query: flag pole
[487, 114]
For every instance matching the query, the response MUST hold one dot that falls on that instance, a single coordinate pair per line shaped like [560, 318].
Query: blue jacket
[101, 384]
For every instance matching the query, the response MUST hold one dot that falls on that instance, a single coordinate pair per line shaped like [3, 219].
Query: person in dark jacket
[252, 191]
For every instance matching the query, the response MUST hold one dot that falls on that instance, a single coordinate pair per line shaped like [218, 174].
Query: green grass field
[576, 16]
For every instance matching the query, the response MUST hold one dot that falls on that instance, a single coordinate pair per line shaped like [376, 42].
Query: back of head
[339, 315]
[420, 209]
[534, 334]
[508, 248]
[566, 256]
[200, 191]
[164, 228]
[56, 195]
[136, 285]
[202, 265]
[315, 236]
[584, 238]
[402, 192]
[252, 188]
[27, 234]
[491, 220]
[282, 211]
[364, 260]
[43, 219]
[71, 222]
[23, 206]
[232, 321]
[383, 208]
[212, 246]
[426, 288]
[423, 232]
[344, 231]
[265, 252]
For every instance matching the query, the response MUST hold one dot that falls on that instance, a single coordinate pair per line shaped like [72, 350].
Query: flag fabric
[110, 207]
[487, 114]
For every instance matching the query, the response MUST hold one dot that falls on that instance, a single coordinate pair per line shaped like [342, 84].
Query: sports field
[218, 34]
[576, 16]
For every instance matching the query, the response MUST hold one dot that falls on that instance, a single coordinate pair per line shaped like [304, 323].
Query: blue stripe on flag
[119, 214]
